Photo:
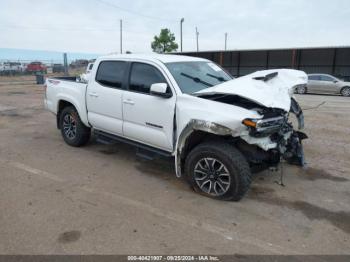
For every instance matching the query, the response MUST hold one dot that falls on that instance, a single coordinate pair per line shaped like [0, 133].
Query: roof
[318, 74]
[169, 58]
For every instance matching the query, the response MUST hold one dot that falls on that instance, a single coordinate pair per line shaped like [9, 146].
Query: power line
[135, 13]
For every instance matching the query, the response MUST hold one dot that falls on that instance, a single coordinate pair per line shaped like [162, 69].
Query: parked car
[217, 129]
[89, 68]
[79, 63]
[2, 67]
[11, 68]
[35, 67]
[57, 68]
[325, 84]
[86, 76]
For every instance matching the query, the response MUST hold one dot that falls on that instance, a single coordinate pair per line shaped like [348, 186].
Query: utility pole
[121, 36]
[181, 21]
[197, 34]
[65, 64]
[225, 41]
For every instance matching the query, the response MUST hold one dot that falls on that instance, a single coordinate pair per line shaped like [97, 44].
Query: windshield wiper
[220, 78]
[196, 79]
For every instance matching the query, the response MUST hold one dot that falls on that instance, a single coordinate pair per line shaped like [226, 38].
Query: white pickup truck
[218, 129]
[11, 67]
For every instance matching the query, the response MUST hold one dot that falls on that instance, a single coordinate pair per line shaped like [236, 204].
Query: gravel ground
[103, 199]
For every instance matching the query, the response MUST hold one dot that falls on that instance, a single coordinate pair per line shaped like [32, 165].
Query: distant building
[329, 60]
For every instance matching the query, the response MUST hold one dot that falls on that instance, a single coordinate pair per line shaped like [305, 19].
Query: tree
[165, 42]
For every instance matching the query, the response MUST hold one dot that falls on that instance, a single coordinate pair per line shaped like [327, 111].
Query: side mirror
[160, 89]
[335, 81]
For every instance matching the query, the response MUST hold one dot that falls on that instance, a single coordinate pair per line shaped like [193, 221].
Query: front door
[104, 97]
[148, 118]
[329, 84]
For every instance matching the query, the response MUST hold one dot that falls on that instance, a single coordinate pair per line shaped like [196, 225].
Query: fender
[81, 111]
[296, 110]
[194, 125]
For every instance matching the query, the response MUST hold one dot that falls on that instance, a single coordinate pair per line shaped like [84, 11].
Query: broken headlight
[261, 127]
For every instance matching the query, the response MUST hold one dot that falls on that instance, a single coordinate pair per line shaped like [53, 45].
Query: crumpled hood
[274, 93]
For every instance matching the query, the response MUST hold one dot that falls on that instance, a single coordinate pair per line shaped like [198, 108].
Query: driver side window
[326, 78]
[142, 76]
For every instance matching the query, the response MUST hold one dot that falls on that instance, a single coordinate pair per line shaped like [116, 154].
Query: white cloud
[92, 26]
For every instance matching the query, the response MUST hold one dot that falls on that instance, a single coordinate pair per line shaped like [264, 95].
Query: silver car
[325, 84]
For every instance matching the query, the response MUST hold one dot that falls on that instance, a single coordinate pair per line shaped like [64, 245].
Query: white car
[85, 76]
[12, 67]
[89, 68]
[218, 129]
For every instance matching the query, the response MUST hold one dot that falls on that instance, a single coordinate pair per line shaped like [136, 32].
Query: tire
[230, 182]
[73, 131]
[345, 91]
[301, 90]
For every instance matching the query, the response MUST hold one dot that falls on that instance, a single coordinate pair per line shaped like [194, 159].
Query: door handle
[129, 102]
[93, 94]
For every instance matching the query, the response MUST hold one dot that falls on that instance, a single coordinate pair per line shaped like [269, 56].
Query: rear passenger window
[111, 73]
[314, 77]
[143, 76]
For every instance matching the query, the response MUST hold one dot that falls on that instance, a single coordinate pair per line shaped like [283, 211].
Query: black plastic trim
[106, 137]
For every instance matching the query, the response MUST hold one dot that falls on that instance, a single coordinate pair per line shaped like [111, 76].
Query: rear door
[104, 97]
[148, 118]
[313, 83]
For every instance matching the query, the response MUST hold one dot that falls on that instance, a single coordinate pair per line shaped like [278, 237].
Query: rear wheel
[218, 170]
[345, 91]
[301, 90]
[73, 131]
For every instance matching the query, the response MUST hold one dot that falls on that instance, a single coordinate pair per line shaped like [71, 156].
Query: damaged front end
[258, 122]
[274, 133]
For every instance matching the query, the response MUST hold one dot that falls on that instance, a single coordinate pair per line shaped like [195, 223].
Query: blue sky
[92, 26]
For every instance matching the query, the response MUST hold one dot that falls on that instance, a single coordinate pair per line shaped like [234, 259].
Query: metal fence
[334, 61]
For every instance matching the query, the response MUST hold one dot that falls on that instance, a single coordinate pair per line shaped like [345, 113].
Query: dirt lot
[99, 199]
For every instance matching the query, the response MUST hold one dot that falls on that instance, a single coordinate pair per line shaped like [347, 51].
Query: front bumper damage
[294, 153]
[284, 142]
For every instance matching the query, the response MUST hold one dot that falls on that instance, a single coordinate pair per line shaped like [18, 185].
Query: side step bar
[142, 150]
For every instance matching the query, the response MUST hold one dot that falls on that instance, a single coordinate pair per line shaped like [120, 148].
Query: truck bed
[69, 90]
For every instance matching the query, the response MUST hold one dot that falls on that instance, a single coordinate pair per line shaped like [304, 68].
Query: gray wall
[334, 61]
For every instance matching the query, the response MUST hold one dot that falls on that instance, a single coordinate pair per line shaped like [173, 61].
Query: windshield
[195, 76]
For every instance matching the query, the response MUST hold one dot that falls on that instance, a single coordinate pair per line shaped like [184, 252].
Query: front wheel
[218, 170]
[345, 91]
[73, 130]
